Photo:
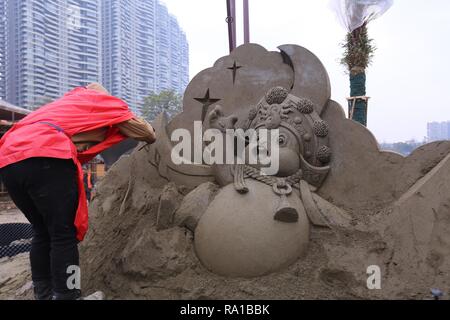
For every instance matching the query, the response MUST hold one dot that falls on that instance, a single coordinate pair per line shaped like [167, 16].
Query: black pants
[45, 190]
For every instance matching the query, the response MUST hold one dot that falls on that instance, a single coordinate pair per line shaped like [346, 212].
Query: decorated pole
[355, 15]
[357, 56]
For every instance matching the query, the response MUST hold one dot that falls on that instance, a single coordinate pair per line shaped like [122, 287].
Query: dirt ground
[126, 256]
[15, 276]
[12, 216]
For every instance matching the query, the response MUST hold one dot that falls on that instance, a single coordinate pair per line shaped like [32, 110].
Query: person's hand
[151, 138]
[152, 133]
[81, 147]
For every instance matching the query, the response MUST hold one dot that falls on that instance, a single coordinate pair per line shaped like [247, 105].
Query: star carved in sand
[206, 101]
[234, 68]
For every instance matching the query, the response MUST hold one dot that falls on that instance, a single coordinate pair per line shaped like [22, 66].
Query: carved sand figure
[337, 206]
[246, 252]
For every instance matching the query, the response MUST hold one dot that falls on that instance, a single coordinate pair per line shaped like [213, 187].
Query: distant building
[2, 50]
[172, 53]
[134, 47]
[433, 131]
[48, 47]
[144, 50]
[438, 131]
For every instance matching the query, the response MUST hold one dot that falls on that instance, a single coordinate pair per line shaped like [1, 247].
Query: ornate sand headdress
[298, 115]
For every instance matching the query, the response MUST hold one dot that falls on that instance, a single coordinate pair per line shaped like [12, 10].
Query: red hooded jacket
[47, 132]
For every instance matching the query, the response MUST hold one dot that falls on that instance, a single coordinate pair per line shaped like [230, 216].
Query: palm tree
[358, 48]
[357, 57]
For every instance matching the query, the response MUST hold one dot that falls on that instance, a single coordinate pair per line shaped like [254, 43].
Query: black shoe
[42, 290]
[69, 295]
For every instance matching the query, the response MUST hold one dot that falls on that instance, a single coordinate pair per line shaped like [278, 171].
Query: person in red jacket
[41, 160]
[88, 180]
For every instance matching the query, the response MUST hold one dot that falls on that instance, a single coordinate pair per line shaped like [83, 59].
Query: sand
[125, 255]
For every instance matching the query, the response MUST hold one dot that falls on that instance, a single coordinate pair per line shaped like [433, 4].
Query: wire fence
[15, 238]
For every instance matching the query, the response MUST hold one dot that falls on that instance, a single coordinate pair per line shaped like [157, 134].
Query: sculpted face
[289, 150]
[289, 153]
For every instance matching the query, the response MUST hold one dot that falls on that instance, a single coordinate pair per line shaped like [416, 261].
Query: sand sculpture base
[161, 231]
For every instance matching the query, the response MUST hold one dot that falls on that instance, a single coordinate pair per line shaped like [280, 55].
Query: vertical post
[246, 23]
[231, 13]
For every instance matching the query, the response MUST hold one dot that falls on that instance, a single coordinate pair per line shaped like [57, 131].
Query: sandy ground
[15, 276]
[12, 216]
[15, 273]
[127, 257]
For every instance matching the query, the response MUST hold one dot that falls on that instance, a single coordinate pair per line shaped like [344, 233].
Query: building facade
[134, 47]
[144, 50]
[2, 50]
[50, 47]
[438, 131]
[172, 53]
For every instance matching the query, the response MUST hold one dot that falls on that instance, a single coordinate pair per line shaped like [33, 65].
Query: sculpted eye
[282, 140]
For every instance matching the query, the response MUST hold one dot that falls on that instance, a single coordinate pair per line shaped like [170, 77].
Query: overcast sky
[409, 79]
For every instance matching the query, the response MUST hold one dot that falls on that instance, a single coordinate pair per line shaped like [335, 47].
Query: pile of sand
[15, 278]
[129, 254]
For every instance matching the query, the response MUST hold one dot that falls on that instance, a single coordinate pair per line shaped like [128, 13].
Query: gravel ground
[15, 278]
[11, 216]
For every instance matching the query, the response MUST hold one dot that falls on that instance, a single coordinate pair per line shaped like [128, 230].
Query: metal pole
[246, 23]
[233, 14]
[231, 23]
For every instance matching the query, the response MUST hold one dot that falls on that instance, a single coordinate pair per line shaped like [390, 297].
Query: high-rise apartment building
[2, 50]
[134, 47]
[144, 50]
[438, 131]
[49, 47]
[172, 53]
[129, 54]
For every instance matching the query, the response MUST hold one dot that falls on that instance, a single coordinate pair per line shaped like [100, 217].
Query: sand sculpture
[337, 205]
[263, 224]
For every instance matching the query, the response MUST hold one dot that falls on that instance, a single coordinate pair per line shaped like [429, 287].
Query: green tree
[167, 100]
